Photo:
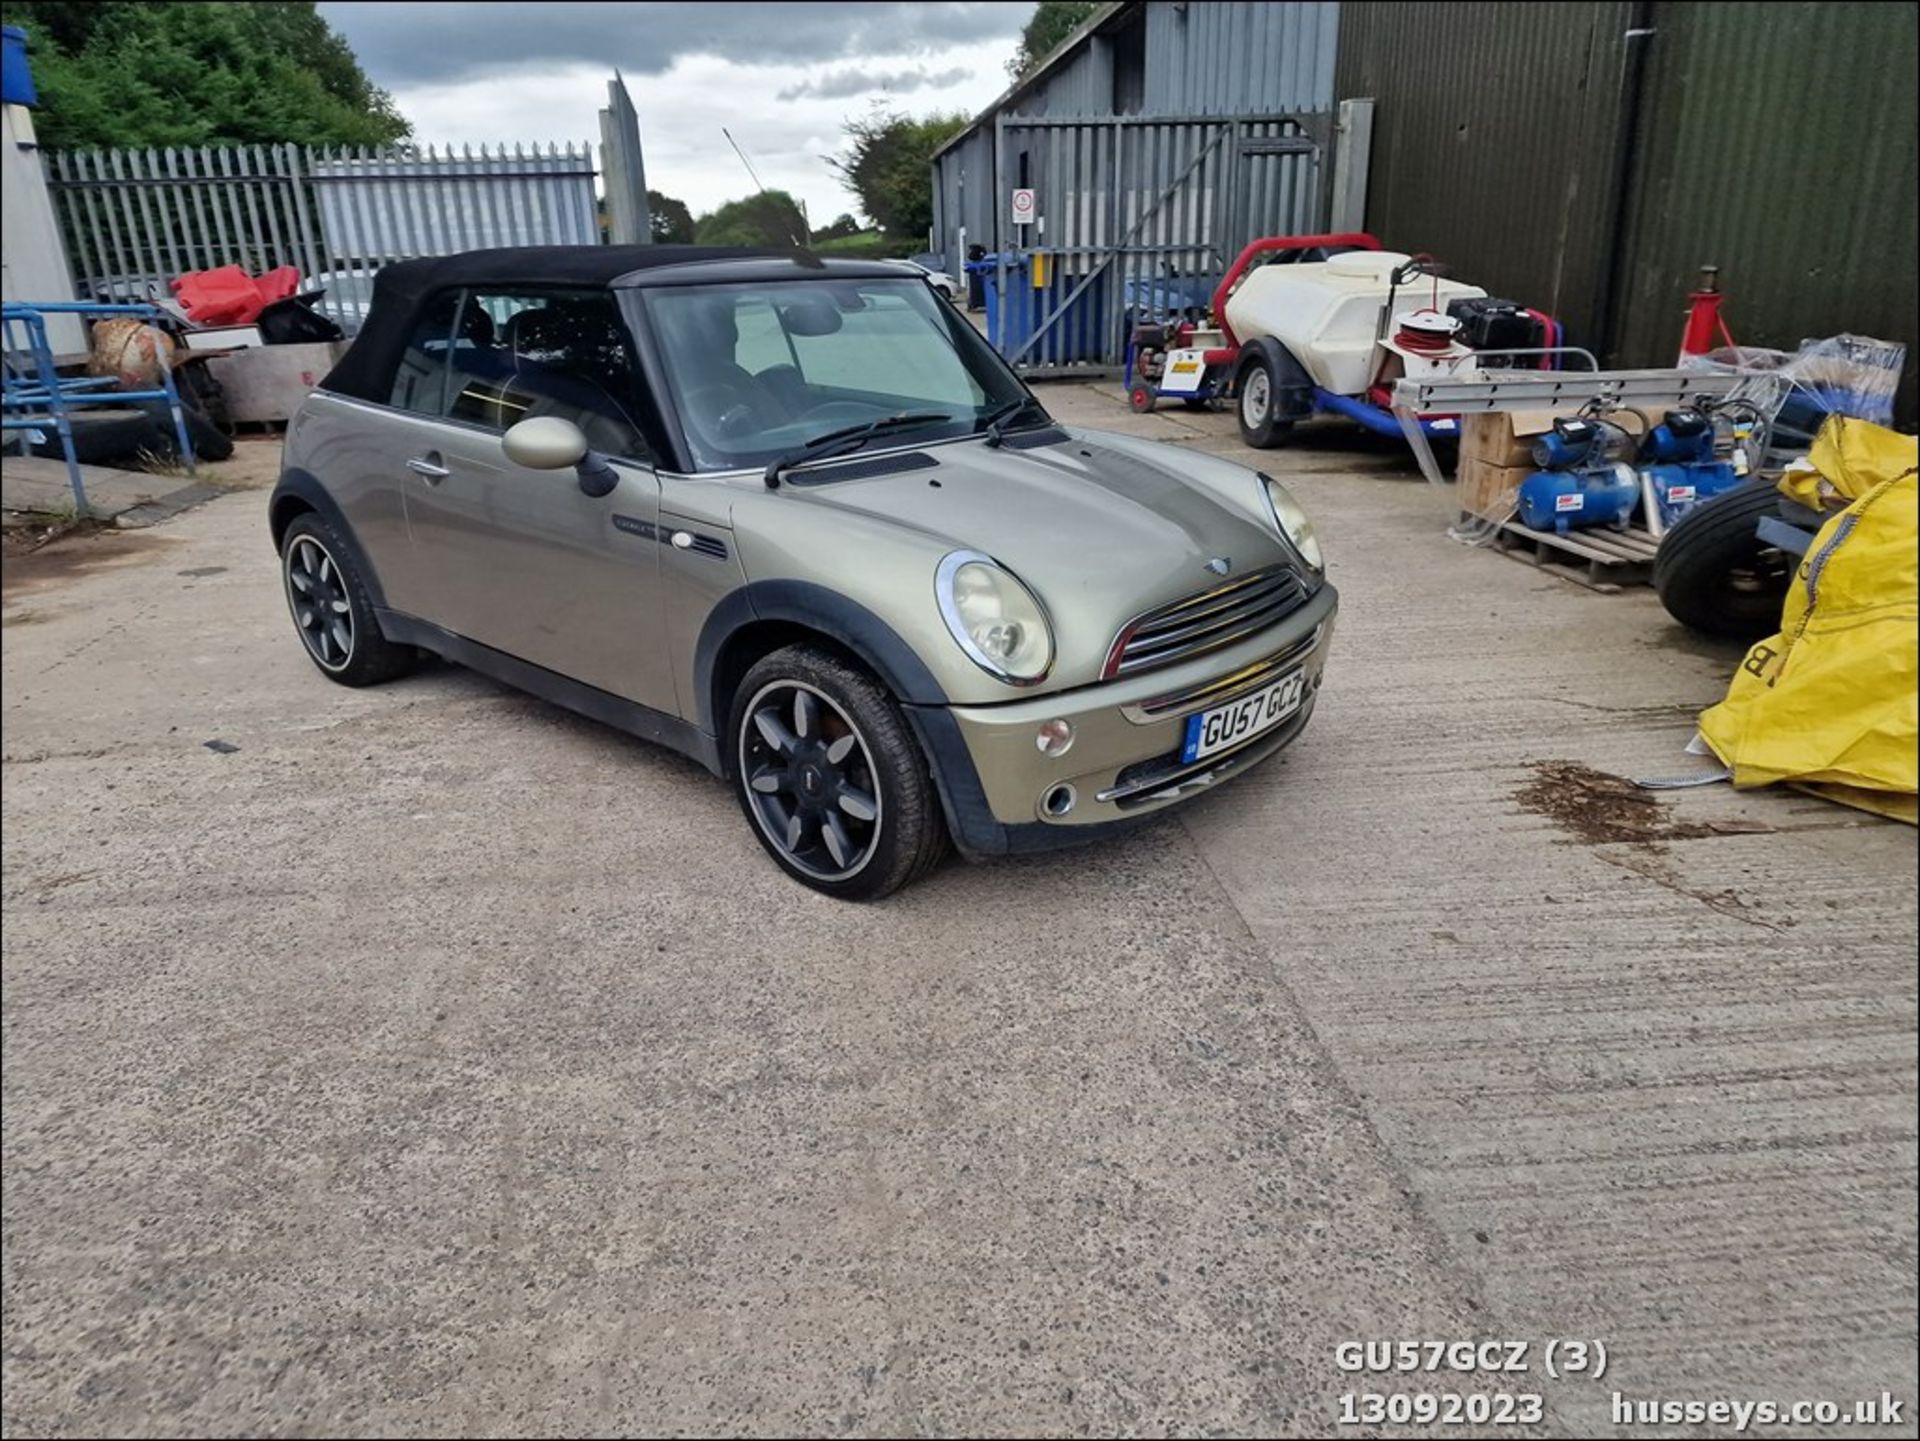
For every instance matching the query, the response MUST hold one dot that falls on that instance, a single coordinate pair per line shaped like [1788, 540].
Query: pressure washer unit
[1678, 456]
[1579, 482]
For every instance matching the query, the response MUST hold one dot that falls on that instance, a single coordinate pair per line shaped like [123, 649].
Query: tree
[669, 220]
[769, 218]
[842, 227]
[889, 165]
[1052, 22]
[146, 72]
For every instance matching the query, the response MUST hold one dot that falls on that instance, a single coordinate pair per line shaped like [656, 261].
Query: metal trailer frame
[36, 396]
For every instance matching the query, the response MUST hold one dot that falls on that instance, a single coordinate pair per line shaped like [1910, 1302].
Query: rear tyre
[327, 597]
[1140, 400]
[830, 776]
[1258, 408]
[1714, 573]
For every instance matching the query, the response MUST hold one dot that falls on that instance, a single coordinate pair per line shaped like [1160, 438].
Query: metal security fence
[1136, 219]
[379, 208]
[134, 219]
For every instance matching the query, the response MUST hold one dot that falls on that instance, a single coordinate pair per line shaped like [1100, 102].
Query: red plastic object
[1346, 240]
[278, 284]
[230, 296]
[1705, 328]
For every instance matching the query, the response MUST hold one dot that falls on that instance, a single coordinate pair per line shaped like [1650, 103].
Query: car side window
[532, 353]
[421, 382]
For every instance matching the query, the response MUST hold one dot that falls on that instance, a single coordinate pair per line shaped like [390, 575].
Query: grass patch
[867, 245]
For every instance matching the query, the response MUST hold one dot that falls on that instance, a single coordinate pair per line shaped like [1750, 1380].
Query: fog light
[1055, 737]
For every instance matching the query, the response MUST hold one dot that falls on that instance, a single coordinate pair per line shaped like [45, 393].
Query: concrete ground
[423, 1060]
[32, 486]
[36, 490]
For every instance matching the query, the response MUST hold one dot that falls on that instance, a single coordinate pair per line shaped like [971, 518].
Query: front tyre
[831, 777]
[328, 599]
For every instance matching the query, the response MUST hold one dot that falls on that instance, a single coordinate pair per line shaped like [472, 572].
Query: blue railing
[37, 397]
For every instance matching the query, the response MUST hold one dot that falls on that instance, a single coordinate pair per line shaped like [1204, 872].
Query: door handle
[429, 466]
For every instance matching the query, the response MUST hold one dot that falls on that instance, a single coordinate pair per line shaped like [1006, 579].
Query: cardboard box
[268, 383]
[1502, 438]
[1489, 491]
[1505, 438]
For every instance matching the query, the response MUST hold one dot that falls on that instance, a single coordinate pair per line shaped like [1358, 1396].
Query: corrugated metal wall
[1239, 59]
[1202, 57]
[1776, 140]
[1493, 140]
[1138, 218]
[963, 197]
[1080, 85]
[1780, 142]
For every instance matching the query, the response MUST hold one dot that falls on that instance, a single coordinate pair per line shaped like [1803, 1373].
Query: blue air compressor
[1578, 483]
[1678, 457]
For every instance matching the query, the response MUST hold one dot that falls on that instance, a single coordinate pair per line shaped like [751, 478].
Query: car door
[522, 560]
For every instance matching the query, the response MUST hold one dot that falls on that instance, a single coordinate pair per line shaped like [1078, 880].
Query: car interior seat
[570, 359]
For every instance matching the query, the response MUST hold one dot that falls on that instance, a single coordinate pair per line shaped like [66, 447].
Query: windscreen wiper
[846, 438]
[996, 426]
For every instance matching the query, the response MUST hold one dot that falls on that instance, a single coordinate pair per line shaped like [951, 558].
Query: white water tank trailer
[1329, 314]
[1332, 322]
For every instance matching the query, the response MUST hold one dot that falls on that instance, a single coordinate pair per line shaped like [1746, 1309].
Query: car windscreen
[756, 369]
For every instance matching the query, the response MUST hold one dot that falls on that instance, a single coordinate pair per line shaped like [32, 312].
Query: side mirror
[552, 442]
[547, 442]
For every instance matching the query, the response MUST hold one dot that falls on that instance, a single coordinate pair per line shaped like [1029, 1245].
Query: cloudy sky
[783, 77]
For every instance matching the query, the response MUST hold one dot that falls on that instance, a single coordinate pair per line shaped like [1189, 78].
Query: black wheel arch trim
[815, 608]
[300, 485]
[1291, 383]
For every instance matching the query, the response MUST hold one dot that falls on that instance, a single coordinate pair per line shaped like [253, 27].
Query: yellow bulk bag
[1830, 702]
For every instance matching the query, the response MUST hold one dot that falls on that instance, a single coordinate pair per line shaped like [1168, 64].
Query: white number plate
[1228, 725]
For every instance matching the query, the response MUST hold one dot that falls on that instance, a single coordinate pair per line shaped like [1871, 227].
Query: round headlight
[1293, 522]
[994, 618]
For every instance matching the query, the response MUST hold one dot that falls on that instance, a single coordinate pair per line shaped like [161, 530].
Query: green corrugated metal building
[1589, 158]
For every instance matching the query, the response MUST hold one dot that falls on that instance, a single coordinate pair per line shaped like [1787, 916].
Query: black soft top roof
[366, 370]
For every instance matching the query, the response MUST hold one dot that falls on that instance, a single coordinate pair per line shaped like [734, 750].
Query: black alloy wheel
[331, 609]
[831, 775]
[317, 591]
[810, 777]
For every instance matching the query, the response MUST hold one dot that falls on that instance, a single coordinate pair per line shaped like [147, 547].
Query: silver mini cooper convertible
[795, 519]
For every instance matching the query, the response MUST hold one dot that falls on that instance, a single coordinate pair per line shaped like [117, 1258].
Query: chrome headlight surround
[1015, 603]
[1293, 523]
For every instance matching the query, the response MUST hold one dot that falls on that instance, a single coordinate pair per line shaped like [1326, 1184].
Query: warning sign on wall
[1025, 207]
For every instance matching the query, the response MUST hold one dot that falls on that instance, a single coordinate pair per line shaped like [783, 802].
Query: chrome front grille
[1220, 689]
[1209, 621]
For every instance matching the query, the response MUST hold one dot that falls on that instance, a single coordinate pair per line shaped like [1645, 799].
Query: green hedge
[867, 245]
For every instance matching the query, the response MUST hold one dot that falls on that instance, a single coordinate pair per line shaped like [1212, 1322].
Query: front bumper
[1124, 763]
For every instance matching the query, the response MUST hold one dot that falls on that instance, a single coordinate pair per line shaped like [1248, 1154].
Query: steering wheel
[730, 406]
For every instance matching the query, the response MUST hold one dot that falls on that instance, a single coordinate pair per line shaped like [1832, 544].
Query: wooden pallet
[1603, 560]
